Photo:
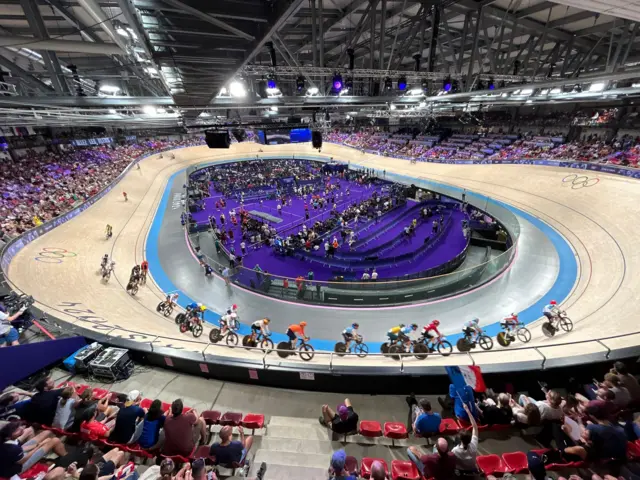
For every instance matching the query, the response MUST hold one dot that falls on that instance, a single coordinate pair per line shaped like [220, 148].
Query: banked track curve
[598, 222]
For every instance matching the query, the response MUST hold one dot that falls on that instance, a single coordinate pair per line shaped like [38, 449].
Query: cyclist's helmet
[553, 302]
[401, 325]
[476, 320]
[266, 321]
[303, 324]
[514, 315]
[355, 325]
[414, 326]
[436, 323]
[234, 307]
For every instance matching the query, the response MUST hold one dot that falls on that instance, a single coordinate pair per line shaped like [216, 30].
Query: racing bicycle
[305, 350]
[506, 337]
[560, 321]
[357, 346]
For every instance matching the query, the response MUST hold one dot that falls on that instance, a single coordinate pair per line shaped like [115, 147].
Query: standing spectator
[20, 449]
[310, 275]
[44, 403]
[181, 431]
[63, 418]
[466, 451]
[226, 274]
[374, 276]
[366, 276]
[440, 465]
[458, 397]
[9, 335]
[153, 423]
[342, 422]
[422, 419]
[127, 420]
[627, 380]
[227, 451]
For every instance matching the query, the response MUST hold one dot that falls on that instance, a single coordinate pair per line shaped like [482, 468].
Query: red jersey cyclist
[294, 331]
[431, 333]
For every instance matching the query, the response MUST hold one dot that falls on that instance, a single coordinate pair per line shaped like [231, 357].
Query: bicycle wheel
[394, 350]
[523, 334]
[184, 327]
[232, 339]
[566, 324]
[485, 342]
[197, 330]
[503, 339]
[284, 349]
[384, 348]
[463, 345]
[247, 342]
[180, 318]
[340, 348]
[168, 311]
[214, 335]
[361, 349]
[420, 351]
[159, 307]
[306, 352]
[445, 348]
[134, 289]
[548, 329]
[266, 345]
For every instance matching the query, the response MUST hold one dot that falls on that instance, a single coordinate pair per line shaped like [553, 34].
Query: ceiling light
[392, 107]
[132, 33]
[556, 90]
[415, 92]
[504, 95]
[161, 110]
[112, 111]
[312, 91]
[121, 31]
[271, 83]
[274, 109]
[149, 110]
[274, 92]
[596, 87]
[109, 89]
[402, 83]
[529, 101]
[423, 104]
[300, 83]
[526, 91]
[151, 71]
[492, 85]
[337, 82]
[446, 84]
[237, 89]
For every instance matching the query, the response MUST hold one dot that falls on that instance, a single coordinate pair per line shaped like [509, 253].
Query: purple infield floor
[371, 235]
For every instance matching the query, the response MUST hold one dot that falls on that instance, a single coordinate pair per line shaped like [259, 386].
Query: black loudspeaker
[316, 139]
[217, 139]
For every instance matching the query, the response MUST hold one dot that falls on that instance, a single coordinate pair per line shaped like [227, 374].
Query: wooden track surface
[599, 222]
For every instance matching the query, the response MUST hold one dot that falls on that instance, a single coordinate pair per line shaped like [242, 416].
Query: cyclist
[510, 323]
[109, 231]
[401, 333]
[294, 331]
[172, 299]
[349, 334]
[431, 333]
[260, 327]
[551, 311]
[105, 261]
[144, 269]
[472, 329]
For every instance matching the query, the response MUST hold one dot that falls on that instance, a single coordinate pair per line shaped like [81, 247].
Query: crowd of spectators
[40, 186]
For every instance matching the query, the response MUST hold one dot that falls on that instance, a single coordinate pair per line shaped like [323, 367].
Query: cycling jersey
[349, 331]
[260, 325]
[472, 325]
[431, 328]
[144, 265]
[192, 306]
[552, 309]
[510, 319]
[174, 297]
[295, 328]
[396, 330]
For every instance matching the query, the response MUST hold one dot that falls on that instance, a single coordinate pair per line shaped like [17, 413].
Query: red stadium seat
[100, 393]
[404, 469]
[253, 421]
[448, 426]
[516, 462]
[633, 451]
[211, 417]
[166, 407]
[351, 464]
[146, 403]
[80, 388]
[203, 452]
[370, 428]
[365, 466]
[497, 428]
[177, 459]
[138, 451]
[492, 465]
[395, 430]
[231, 418]
[464, 425]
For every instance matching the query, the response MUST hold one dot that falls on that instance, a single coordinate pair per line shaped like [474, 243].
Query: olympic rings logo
[579, 181]
[54, 255]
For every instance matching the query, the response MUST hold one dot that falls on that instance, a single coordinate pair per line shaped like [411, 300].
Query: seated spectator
[422, 419]
[528, 415]
[20, 449]
[8, 334]
[63, 418]
[627, 380]
[622, 396]
[467, 451]
[601, 440]
[88, 403]
[77, 461]
[500, 414]
[550, 408]
[127, 419]
[44, 403]
[602, 404]
[439, 466]
[337, 468]
[94, 428]
[11, 407]
[377, 471]
[227, 451]
[342, 422]
[181, 431]
[153, 423]
[164, 471]
[199, 471]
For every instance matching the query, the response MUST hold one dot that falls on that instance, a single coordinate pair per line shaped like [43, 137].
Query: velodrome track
[599, 222]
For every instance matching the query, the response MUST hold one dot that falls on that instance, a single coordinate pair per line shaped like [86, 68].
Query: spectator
[422, 420]
[44, 403]
[439, 466]
[153, 422]
[500, 414]
[377, 471]
[199, 471]
[63, 418]
[227, 451]
[528, 415]
[88, 403]
[337, 468]
[12, 407]
[164, 471]
[550, 408]
[344, 421]
[603, 404]
[20, 449]
[88, 457]
[467, 451]
[95, 428]
[181, 431]
[127, 419]
[458, 397]
[622, 396]
[9, 335]
[599, 441]
[627, 380]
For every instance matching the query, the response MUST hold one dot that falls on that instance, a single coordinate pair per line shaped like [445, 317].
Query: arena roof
[117, 54]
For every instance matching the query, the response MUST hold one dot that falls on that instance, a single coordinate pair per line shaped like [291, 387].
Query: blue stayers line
[567, 274]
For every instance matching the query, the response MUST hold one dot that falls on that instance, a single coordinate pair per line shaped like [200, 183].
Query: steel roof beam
[26, 77]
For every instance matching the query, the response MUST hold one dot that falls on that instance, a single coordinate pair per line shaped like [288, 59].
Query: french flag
[467, 375]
